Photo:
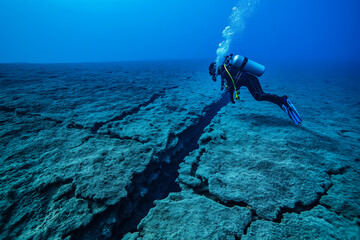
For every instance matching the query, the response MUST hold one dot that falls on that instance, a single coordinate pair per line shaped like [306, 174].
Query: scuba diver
[238, 71]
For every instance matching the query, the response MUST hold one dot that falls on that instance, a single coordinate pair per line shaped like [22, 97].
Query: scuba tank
[247, 65]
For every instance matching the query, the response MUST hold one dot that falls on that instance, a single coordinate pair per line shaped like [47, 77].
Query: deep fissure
[166, 171]
[155, 183]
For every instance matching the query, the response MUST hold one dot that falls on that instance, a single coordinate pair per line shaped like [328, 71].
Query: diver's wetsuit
[248, 80]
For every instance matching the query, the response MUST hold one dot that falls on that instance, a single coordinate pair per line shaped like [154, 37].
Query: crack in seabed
[155, 183]
[132, 111]
[159, 179]
[166, 172]
[27, 113]
[299, 206]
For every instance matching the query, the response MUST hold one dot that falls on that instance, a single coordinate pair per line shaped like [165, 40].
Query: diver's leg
[253, 84]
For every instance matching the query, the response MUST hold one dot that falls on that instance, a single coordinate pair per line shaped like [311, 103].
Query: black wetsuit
[248, 80]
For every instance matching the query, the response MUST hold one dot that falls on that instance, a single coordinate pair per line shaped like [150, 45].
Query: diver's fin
[291, 111]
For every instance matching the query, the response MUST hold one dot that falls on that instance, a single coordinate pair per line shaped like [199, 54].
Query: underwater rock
[254, 156]
[83, 153]
[68, 169]
[188, 216]
[255, 164]
[343, 197]
[319, 223]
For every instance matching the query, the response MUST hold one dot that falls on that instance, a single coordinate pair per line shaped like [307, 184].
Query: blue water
[96, 31]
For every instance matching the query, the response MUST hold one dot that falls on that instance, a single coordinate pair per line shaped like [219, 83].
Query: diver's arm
[231, 92]
[225, 80]
[222, 84]
[214, 78]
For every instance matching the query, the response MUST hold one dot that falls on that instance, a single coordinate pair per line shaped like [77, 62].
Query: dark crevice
[195, 165]
[77, 146]
[53, 120]
[339, 171]
[328, 208]
[84, 140]
[203, 190]
[22, 221]
[52, 186]
[254, 217]
[11, 133]
[124, 114]
[96, 229]
[117, 136]
[7, 214]
[300, 207]
[132, 111]
[247, 227]
[7, 109]
[68, 194]
[163, 175]
[155, 183]
[25, 113]
[89, 199]
[72, 124]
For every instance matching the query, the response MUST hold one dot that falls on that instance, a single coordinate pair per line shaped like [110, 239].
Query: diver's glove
[237, 95]
[214, 78]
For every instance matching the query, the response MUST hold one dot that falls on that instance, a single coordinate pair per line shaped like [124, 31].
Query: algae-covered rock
[81, 147]
[319, 223]
[251, 153]
[188, 216]
[74, 137]
[344, 196]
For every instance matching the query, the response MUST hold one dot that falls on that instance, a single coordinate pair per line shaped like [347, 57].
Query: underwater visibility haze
[95, 31]
[112, 128]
